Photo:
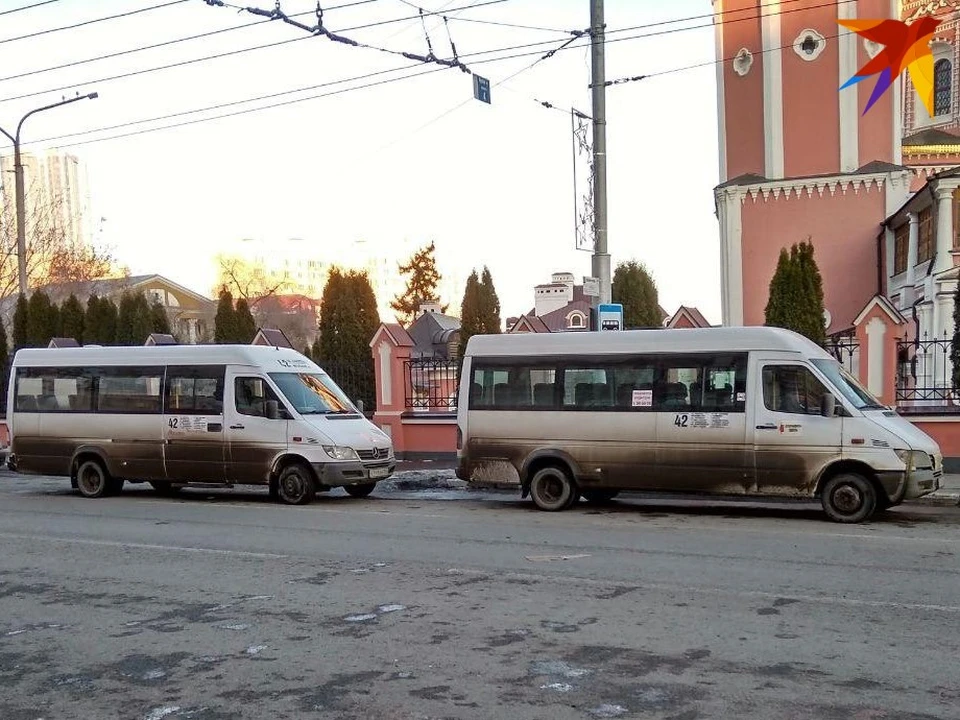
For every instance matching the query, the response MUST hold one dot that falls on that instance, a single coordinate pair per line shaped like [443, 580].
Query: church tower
[799, 159]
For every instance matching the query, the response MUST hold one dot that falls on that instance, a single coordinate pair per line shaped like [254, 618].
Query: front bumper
[353, 472]
[922, 482]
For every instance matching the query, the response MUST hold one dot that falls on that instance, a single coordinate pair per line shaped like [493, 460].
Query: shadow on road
[638, 506]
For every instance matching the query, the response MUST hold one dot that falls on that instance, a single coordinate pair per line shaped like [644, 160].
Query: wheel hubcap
[552, 488]
[89, 480]
[293, 486]
[847, 499]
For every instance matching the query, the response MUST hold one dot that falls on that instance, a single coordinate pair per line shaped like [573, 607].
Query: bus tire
[92, 479]
[600, 496]
[295, 485]
[849, 498]
[359, 491]
[552, 488]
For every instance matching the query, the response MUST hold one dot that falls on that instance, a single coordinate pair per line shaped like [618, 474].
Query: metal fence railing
[925, 373]
[846, 349]
[430, 385]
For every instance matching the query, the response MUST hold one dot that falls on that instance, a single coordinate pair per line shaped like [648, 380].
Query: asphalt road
[454, 605]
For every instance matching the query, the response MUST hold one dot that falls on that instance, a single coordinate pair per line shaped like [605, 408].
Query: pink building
[876, 193]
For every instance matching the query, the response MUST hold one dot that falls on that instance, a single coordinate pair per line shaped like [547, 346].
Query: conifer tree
[490, 322]
[21, 318]
[41, 320]
[245, 324]
[634, 288]
[72, 319]
[471, 322]
[159, 318]
[225, 322]
[421, 285]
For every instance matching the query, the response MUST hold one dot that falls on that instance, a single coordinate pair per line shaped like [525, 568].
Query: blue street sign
[481, 89]
[609, 317]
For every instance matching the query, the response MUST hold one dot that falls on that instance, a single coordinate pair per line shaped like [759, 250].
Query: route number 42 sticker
[681, 420]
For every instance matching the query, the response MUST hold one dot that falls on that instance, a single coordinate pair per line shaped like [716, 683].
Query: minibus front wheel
[553, 488]
[848, 498]
[295, 485]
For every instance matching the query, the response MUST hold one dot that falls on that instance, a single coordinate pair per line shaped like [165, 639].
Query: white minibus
[753, 411]
[175, 415]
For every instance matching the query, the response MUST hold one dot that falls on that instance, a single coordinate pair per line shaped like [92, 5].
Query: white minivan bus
[181, 414]
[730, 411]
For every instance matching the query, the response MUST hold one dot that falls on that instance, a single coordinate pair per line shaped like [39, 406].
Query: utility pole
[21, 191]
[601, 259]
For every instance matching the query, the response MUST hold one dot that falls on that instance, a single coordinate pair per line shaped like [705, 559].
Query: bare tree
[248, 280]
[53, 255]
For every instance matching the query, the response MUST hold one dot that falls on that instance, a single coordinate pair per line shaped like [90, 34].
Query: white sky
[490, 184]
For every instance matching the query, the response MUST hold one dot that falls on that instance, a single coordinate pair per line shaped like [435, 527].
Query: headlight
[915, 459]
[340, 453]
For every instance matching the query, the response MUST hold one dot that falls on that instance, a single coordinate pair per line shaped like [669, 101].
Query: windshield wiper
[873, 406]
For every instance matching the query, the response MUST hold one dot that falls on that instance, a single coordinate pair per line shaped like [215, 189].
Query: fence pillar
[390, 347]
[877, 328]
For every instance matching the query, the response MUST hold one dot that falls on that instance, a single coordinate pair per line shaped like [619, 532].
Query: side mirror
[273, 410]
[828, 405]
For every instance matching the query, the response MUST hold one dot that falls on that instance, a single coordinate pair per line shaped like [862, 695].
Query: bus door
[194, 448]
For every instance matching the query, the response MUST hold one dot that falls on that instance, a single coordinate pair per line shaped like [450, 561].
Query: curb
[950, 498]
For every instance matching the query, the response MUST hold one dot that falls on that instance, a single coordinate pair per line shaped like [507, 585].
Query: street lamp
[18, 175]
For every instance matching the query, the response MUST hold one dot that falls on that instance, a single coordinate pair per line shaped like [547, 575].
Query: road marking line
[552, 558]
[140, 546]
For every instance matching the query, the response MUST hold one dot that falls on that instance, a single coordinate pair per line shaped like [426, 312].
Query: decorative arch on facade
[576, 320]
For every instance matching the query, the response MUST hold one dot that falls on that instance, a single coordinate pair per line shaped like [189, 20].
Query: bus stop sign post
[609, 317]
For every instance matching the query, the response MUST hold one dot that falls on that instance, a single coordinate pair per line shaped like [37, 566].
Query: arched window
[575, 321]
[942, 87]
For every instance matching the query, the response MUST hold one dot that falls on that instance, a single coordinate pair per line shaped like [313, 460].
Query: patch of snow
[551, 667]
[608, 711]
[391, 608]
[15, 632]
[360, 618]
[154, 674]
[559, 687]
[162, 712]
[255, 649]
[235, 626]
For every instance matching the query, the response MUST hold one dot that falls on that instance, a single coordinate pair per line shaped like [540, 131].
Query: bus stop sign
[610, 317]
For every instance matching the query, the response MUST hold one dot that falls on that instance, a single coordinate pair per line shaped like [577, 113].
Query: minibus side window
[251, 395]
[791, 389]
[53, 390]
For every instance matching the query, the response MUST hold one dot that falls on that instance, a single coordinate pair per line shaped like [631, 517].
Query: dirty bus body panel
[744, 411]
[172, 415]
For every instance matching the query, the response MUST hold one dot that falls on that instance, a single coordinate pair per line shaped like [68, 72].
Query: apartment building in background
[57, 193]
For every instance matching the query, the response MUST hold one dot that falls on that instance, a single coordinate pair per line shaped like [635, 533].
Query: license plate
[378, 472]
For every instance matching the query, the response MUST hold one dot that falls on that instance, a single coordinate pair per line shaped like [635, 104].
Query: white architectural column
[876, 330]
[729, 212]
[944, 237]
[772, 88]
[848, 98]
[721, 95]
[912, 247]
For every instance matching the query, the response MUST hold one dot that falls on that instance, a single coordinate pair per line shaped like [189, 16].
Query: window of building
[901, 248]
[194, 390]
[576, 321]
[792, 389]
[942, 87]
[925, 235]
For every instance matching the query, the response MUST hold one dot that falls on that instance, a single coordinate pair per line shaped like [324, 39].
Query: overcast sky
[490, 184]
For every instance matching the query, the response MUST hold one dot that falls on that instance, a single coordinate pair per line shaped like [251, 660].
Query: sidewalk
[948, 494]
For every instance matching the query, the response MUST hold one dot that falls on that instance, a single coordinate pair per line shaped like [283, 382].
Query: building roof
[874, 167]
[161, 339]
[931, 136]
[272, 336]
[63, 343]
[556, 320]
[695, 317]
[431, 332]
[532, 322]
[112, 286]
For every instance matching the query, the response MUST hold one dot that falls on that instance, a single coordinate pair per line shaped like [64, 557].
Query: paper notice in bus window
[741, 397]
[643, 398]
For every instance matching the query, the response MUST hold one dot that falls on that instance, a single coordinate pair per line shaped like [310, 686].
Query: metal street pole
[601, 259]
[21, 191]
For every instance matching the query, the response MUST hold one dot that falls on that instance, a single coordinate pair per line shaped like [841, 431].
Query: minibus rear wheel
[552, 488]
[849, 498]
[93, 480]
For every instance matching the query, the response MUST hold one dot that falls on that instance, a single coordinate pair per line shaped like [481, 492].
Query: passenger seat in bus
[543, 394]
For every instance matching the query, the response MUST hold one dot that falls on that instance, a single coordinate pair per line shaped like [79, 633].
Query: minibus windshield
[313, 393]
[852, 390]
